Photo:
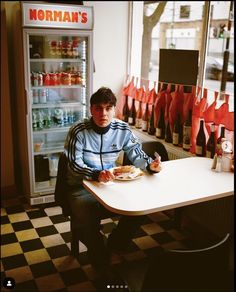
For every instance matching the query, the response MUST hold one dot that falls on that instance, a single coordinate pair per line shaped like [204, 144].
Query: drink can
[35, 79]
[53, 79]
[40, 79]
[35, 96]
[42, 96]
[46, 79]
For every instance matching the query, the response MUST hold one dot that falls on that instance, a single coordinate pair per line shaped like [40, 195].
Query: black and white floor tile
[35, 247]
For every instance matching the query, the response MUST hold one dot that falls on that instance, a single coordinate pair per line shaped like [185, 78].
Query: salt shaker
[219, 164]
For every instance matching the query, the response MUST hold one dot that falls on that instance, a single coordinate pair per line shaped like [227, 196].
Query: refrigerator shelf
[57, 60]
[49, 148]
[49, 151]
[57, 104]
[58, 86]
[52, 130]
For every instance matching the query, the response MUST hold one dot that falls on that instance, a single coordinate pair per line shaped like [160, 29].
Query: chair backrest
[61, 185]
[149, 148]
[205, 269]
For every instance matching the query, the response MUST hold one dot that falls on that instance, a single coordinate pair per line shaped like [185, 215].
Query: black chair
[205, 269]
[149, 148]
[61, 190]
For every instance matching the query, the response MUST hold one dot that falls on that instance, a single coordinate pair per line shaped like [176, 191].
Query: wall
[7, 165]
[110, 57]
[111, 21]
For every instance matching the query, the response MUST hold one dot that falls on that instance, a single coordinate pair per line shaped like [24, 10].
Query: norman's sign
[59, 16]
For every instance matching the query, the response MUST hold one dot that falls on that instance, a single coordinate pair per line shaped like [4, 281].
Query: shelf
[173, 151]
[48, 148]
[57, 60]
[59, 104]
[52, 130]
[58, 86]
[49, 151]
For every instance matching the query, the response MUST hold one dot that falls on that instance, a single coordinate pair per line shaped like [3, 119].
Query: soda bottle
[39, 120]
[34, 120]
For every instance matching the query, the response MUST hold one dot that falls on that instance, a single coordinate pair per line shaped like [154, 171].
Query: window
[159, 25]
[185, 11]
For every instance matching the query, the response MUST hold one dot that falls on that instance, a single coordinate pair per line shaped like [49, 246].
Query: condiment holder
[224, 161]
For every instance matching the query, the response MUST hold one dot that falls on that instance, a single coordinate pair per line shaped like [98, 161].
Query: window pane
[220, 49]
[162, 26]
[179, 27]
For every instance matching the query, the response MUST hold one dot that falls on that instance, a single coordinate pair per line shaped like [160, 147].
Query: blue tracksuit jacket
[91, 149]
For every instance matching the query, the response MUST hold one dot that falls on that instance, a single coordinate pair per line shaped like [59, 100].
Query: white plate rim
[128, 179]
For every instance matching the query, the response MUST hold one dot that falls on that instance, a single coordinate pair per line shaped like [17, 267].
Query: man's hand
[105, 176]
[156, 165]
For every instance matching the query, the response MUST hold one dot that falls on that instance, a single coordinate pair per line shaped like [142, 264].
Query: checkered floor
[35, 247]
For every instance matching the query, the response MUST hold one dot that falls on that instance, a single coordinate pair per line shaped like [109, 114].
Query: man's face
[102, 114]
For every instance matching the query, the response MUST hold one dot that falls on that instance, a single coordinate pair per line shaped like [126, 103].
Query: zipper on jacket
[101, 153]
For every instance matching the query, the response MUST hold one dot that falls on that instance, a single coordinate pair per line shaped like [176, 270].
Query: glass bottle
[138, 121]
[187, 130]
[176, 131]
[151, 127]
[219, 140]
[211, 143]
[168, 135]
[160, 127]
[145, 119]
[201, 141]
[125, 111]
[132, 114]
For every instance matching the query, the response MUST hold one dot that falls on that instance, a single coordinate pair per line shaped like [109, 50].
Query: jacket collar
[99, 130]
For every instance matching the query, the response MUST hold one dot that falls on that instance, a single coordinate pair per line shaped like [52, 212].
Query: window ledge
[174, 152]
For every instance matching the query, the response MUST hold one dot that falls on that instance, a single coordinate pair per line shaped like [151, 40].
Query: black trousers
[87, 214]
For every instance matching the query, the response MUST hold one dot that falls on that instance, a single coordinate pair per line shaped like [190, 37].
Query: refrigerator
[58, 71]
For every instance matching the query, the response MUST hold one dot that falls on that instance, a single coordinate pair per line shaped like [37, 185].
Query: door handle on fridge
[28, 98]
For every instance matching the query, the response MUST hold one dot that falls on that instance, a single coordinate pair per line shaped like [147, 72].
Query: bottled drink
[219, 140]
[168, 135]
[160, 127]
[145, 119]
[34, 120]
[177, 131]
[132, 114]
[42, 95]
[125, 111]
[187, 129]
[65, 116]
[39, 120]
[211, 143]
[70, 117]
[58, 117]
[35, 96]
[47, 119]
[201, 141]
[138, 121]
[151, 127]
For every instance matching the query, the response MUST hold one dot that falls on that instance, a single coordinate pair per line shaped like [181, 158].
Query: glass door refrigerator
[58, 68]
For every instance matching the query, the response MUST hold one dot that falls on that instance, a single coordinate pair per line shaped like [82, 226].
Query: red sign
[60, 16]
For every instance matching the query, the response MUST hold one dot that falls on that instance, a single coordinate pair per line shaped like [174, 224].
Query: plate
[129, 175]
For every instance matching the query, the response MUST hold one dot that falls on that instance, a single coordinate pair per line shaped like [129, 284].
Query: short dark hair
[103, 95]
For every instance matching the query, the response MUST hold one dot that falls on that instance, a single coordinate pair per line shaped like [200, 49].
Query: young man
[92, 148]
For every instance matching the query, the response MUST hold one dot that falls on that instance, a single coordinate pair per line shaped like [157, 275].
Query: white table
[180, 183]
